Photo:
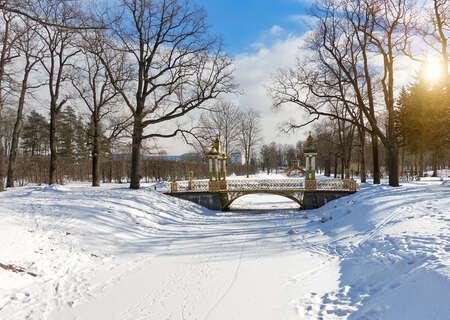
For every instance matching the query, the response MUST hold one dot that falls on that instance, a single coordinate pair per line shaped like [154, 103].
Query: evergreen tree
[104, 143]
[35, 140]
[423, 122]
[65, 132]
[81, 139]
[72, 134]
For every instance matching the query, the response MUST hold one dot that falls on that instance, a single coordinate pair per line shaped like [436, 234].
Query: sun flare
[433, 70]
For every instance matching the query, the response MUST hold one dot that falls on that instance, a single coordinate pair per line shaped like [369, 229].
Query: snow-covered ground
[114, 253]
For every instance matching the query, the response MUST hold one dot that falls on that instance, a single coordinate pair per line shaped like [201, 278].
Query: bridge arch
[294, 196]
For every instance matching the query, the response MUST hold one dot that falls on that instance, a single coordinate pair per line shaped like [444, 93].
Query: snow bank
[115, 253]
[394, 250]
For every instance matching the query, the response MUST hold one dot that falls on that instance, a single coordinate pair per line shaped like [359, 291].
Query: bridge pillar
[310, 153]
[210, 200]
[316, 199]
[310, 184]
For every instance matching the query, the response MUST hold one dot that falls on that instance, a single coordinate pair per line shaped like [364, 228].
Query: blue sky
[261, 36]
[245, 24]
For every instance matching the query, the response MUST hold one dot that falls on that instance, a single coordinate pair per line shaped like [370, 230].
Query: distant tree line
[73, 138]
[35, 170]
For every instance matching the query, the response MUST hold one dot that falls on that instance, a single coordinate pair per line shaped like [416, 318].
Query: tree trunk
[95, 154]
[1, 167]
[415, 164]
[247, 162]
[421, 163]
[335, 166]
[402, 162]
[247, 169]
[435, 163]
[376, 164]
[393, 160]
[328, 166]
[17, 130]
[136, 155]
[53, 157]
[348, 159]
[362, 154]
[362, 151]
[13, 151]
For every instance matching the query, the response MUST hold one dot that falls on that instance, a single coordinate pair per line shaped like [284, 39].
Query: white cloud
[303, 19]
[254, 74]
[276, 30]
[257, 45]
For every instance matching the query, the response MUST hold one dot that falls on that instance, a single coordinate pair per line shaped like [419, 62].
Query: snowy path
[113, 253]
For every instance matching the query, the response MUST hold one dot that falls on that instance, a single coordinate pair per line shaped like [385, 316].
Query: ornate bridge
[219, 194]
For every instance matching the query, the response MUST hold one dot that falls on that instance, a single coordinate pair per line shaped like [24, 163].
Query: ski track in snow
[113, 253]
[227, 290]
[382, 265]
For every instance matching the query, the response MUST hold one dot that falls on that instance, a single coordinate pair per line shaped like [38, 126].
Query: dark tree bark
[376, 161]
[135, 155]
[53, 157]
[335, 165]
[95, 152]
[328, 165]
[362, 151]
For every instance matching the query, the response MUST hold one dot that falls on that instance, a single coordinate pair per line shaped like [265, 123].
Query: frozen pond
[263, 201]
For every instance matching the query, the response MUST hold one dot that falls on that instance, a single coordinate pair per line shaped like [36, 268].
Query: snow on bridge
[218, 195]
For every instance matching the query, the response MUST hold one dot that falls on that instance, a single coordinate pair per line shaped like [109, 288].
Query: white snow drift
[114, 253]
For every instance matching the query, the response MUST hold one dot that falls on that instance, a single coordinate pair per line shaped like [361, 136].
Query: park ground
[78, 252]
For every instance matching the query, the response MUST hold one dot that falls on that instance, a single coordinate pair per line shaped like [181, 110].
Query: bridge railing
[265, 185]
[195, 186]
[330, 184]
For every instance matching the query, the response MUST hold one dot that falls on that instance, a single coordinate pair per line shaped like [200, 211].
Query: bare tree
[249, 135]
[222, 120]
[177, 66]
[344, 131]
[362, 149]
[324, 91]
[269, 156]
[59, 53]
[350, 34]
[325, 134]
[32, 10]
[7, 55]
[30, 49]
[433, 27]
[93, 85]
